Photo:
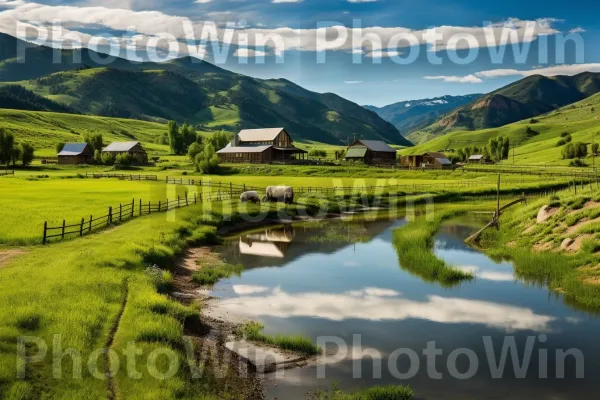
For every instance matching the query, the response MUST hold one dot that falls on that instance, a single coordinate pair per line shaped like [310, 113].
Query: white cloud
[352, 82]
[383, 53]
[376, 304]
[455, 79]
[497, 276]
[249, 289]
[577, 30]
[249, 53]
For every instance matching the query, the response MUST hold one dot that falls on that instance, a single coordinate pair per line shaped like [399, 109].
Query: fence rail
[128, 211]
[4, 173]
[131, 177]
[532, 170]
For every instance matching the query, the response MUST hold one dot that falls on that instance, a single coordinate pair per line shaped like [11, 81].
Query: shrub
[577, 163]
[123, 160]
[317, 153]
[209, 275]
[107, 158]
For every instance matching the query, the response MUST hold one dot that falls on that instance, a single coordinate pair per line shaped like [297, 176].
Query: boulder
[566, 243]
[545, 213]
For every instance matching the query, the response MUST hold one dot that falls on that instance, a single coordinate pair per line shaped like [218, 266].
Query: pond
[344, 280]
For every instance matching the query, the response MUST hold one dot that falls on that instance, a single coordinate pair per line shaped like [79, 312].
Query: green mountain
[17, 97]
[527, 98]
[410, 116]
[189, 90]
[535, 142]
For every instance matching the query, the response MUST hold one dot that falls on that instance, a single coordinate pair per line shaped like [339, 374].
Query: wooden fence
[129, 177]
[4, 173]
[128, 211]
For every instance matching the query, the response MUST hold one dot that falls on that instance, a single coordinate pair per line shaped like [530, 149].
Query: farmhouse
[434, 160]
[76, 153]
[371, 152]
[476, 159]
[134, 149]
[261, 146]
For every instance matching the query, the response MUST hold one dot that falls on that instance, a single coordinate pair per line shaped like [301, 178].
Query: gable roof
[476, 157]
[259, 135]
[73, 149]
[356, 152]
[376, 145]
[120, 146]
[444, 161]
[243, 149]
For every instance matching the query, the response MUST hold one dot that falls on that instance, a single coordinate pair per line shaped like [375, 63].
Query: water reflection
[344, 280]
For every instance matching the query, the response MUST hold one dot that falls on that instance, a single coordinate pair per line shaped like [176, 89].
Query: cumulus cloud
[376, 304]
[455, 79]
[243, 52]
[351, 83]
[478, 77]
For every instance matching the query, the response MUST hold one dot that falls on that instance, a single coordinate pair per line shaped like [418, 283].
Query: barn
[434, 160]
[134, 149]
[76, 153]
[371, 152]
[261, 146]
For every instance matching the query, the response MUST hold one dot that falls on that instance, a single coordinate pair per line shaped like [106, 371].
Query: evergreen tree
[27, 153]
[7, 143]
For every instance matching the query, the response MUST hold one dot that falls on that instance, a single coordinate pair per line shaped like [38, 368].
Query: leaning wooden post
[63, 229]
[120, 212]
[90, 224]
[45, 229]
[81, 227]
[186, 200]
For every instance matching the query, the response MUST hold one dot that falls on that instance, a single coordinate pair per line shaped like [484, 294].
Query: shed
[476, 159]
[371, 152]
[134, 149]
[76, 153]
[432, 159]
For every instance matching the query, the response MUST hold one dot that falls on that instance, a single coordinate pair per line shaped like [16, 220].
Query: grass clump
[414, 243]
[209, 275]
[253, 331]
[392, 392]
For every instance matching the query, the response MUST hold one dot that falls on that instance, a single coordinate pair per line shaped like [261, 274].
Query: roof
[377, 145]
[73, 149]
[244, 149]
[120, 146]
[259, 135]
[356, 152]
[443, 161]
[476, 157]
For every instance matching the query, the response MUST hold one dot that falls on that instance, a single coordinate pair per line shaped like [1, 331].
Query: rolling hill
[189, 90]
[410, 116]
[537, 145]
[527, 98]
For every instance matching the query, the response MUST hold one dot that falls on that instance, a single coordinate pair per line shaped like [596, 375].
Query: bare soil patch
[582, 223]
[540, 247]
[7, 255]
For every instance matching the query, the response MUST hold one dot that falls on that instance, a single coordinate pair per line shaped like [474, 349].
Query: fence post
[90, 226]
[81, 227]
[230, 191]
[149, 210]
[109, 216]
[178, 198]
[45, 229]
[186, 199]
[120, 212]
[140, 207]
[63, 229]
[159, 208]
[167, 179]
[195, 202]
[132, 207]
[244, 187]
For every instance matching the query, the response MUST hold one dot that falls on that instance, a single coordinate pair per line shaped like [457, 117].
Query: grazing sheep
[250, 197]
[284, 194]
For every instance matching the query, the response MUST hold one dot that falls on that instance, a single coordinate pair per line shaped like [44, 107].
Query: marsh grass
[393, 392]
[210, 274]
[414, 244]
[253, 331]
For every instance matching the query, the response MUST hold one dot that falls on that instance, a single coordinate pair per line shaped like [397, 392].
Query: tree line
[497, 149]
[12, 152]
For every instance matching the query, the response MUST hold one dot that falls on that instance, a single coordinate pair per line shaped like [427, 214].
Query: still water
[344, 279]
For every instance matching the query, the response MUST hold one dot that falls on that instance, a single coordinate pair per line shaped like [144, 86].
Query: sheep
[250, 197]
[283, 194]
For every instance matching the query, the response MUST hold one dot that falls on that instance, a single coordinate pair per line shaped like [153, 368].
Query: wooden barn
[434, 160]
[261, 146]
[371, 152]
[134, 149]
[76, 153]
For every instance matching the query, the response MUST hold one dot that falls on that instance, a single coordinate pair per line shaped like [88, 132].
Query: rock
[566, 243]
[545, 213]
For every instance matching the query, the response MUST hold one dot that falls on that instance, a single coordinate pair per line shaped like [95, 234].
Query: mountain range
[185, 89]
[410, 116]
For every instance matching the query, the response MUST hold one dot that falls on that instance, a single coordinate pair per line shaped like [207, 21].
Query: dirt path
[6, 256]
[111, 385]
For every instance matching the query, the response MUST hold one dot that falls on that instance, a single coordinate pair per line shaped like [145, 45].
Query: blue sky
[351, 69]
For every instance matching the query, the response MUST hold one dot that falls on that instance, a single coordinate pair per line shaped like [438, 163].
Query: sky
[373, 52]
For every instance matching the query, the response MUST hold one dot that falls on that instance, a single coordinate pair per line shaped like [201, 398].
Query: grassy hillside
[45, 129]
[581, 120]
[187, 90]
[529, 97]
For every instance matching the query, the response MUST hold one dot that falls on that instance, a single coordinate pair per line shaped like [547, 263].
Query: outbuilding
[261, 146]
[134, 149]
[371, 152]
[433, 159]
[76, 153]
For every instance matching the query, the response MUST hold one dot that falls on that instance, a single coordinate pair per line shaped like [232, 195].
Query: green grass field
[581, 120]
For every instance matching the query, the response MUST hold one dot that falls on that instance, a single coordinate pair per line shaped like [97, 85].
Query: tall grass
[210, 274]
[393, 392]
[253, 331]
[414, 243]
